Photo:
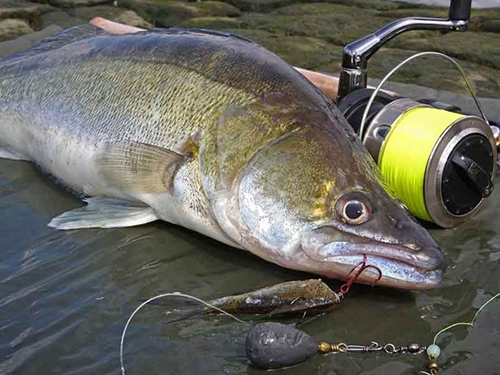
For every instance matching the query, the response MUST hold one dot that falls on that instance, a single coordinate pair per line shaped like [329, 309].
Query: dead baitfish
[212, 132]
[292, 297]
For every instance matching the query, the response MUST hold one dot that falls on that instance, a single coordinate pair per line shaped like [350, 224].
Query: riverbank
[305, 34]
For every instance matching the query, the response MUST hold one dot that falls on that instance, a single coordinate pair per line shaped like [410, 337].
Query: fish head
[312, 199]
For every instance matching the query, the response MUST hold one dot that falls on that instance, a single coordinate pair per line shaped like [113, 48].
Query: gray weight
[275, 345]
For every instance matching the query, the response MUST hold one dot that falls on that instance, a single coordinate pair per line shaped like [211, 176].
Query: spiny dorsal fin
[194, 30]
[139, 167]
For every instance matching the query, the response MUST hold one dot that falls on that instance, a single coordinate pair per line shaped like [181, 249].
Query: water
[65, 297]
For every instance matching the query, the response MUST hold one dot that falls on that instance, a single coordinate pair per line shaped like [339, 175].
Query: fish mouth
[393, 273]
[401, 266]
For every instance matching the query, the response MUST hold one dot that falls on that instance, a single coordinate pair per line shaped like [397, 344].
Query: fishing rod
[438, 160]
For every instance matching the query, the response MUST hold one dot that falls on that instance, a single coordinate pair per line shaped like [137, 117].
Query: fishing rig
[439, 161]
[273, 345]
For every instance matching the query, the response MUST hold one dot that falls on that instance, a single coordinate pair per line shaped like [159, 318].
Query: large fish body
[212, 132]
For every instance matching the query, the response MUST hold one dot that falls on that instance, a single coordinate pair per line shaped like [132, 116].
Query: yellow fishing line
[407, 150]
[469, 324]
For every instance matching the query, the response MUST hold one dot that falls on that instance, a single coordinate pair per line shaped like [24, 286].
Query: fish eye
[353, 209]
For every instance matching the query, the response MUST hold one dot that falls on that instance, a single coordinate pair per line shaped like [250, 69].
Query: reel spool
[439, 163]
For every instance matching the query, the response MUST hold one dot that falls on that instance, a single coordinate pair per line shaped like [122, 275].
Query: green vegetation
[308, 34]
[312, 35]
[163, 13]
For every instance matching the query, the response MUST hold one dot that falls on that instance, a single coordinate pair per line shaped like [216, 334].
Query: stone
[76, 16]
[22, 10]
[26, 41]
[11, 28]
[129, 17]
[74, 3]
[60, 18]
[173, 13]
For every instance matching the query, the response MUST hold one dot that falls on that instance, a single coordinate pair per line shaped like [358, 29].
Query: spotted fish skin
[212, 132]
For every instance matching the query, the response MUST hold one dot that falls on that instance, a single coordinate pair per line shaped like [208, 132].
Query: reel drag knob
[439, 163]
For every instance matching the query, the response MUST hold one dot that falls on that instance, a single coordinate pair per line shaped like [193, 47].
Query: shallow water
[65, 297]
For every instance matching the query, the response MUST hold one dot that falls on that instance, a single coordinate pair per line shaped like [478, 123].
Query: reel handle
[460, 10]
[353, 75]
[476, 175]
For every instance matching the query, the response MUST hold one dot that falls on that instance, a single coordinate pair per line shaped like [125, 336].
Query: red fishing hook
[362, 268]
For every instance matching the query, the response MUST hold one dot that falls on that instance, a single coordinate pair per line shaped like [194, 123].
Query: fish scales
[212, 132]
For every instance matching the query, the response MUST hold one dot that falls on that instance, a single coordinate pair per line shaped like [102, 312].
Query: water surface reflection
[65, 297]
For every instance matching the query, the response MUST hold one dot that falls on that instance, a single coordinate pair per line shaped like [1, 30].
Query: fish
[291, 298]
[309, 297]
[212, 132]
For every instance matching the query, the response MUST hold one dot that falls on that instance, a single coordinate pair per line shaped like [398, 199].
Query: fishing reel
[438, 161]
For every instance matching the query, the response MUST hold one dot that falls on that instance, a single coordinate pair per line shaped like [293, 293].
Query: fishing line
[471, 323]
[437, 162]
[173, 294]
[404, 62]
[433, 351]
[283, 330]
[274, 345]
[266, 351]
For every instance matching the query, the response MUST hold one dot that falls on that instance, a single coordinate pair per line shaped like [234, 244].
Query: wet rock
[481, 48]
[129, 17]
[487, 25]
[74, 3]
[77, 16]
[87, 13]
[12, 28]
[26, 41]
[22, 10]
[60, 18]
[260, 5]
[330, 22]
[216, 23]
[216, 8]
[173, 13]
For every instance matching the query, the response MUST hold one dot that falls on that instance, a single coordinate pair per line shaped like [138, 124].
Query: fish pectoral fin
[139, 167]
[6, 154]
[104, 213]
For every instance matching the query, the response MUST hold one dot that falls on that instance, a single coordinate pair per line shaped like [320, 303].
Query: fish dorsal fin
[197, 31]
[59, 40]
[139, 167]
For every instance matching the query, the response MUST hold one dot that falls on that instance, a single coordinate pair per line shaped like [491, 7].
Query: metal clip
[387, 348]
[391, 349]
[373, 347]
